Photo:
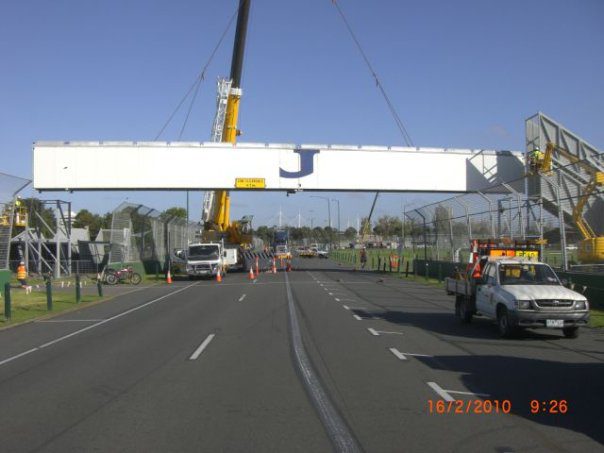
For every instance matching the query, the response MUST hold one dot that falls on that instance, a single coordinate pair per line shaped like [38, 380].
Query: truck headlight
[523, 305]
[581, 305]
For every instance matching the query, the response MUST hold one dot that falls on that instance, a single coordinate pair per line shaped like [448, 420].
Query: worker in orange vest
[22, 275]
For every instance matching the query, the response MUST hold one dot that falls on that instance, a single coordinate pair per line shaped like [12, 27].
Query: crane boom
[221, 202]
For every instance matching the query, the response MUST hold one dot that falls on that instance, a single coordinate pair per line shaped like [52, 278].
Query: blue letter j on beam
[306, 164]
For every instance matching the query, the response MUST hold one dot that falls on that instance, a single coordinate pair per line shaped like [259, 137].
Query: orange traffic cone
[274, 269]
[218, 276]
[168, 277]
[251, 274]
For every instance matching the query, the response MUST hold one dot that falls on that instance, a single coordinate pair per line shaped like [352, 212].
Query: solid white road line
[373, 332]
[201, 347]
[77, 332]
[10, 359]
[441, 392]
[70, 320]
[241, 298]
[398, 354]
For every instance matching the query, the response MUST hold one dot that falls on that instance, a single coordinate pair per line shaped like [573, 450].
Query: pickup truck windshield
[203, 252]
[527, 274]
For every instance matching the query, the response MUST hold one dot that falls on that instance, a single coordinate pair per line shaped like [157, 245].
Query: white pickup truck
[519, 294]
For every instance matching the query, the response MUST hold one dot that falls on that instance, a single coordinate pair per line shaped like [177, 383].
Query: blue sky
[461, 74]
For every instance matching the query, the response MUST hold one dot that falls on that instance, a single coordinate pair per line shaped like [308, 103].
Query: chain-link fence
[442, 231]
[142, 234]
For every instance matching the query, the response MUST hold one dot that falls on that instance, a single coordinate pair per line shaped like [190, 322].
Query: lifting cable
[195, 86]
[378, 83]
[399, 123]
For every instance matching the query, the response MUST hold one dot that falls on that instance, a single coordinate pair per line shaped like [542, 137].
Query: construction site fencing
[10, 186]
[140, 234]
[442, 231]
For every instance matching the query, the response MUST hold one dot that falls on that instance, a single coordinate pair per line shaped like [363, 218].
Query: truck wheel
[464, 313]
[571, 332]
[506, 330]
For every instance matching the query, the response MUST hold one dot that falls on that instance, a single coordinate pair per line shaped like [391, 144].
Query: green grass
[352, 257]
[30, 306]
[596, 318]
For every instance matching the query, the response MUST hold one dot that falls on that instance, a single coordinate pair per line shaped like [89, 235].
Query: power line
[196, 83]
[378, 83]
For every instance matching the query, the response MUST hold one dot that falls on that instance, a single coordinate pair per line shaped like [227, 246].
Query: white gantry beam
[193, 165]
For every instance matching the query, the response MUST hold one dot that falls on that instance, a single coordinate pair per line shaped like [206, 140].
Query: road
[318, 359]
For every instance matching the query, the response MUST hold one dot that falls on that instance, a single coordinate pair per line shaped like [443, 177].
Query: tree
[86, 219]
[350, 233]
[37, 209]
[441, 220]
[170, 213]
[388, 226]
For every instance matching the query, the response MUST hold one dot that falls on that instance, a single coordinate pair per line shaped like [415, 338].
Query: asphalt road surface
[318, 359]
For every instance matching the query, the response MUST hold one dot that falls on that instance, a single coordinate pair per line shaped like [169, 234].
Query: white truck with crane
[207, 259]
[507, 283]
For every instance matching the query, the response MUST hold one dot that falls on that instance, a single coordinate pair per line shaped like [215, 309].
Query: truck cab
[527, 294]
[204, 259]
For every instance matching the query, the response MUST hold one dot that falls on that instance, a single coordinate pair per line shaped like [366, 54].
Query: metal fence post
[7, 302]
[48, 295]
[78, 289]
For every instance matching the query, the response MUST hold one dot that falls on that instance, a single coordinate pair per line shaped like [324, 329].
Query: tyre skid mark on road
[337, 430]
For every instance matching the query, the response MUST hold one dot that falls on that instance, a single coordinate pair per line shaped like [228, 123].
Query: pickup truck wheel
[465, 314]
[506, 330]
[571, 332]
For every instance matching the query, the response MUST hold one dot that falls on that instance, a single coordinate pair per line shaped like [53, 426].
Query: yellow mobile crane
[219, 226]
[591, 248]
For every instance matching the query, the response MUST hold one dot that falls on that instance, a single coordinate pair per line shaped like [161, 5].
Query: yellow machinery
[221, 224]
[591, 248]
[19, 214]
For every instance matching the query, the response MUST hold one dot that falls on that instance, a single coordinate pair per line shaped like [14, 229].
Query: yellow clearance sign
[250, 183]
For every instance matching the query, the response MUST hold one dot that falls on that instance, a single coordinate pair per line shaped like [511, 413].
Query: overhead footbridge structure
[85, 166]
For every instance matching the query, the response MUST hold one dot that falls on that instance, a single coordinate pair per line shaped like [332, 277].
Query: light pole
[338, 201]
[328, 207]
[338, 232]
